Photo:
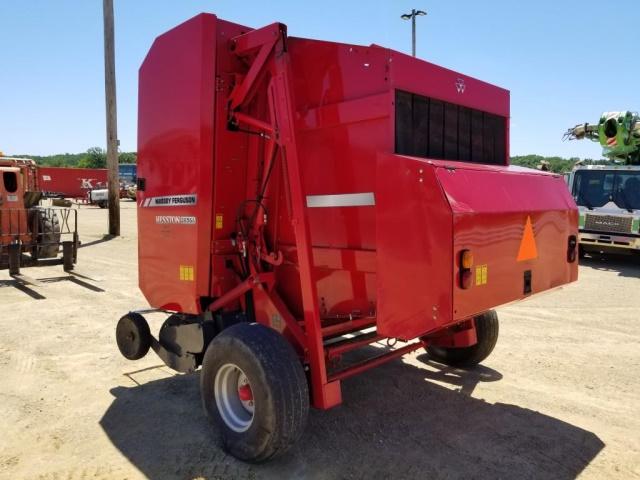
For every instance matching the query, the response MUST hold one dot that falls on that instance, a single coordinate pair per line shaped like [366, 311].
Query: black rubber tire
[279, 387]
[49, 229]
[133, 336]
[103, 204]
[581, 252]
[487, 332]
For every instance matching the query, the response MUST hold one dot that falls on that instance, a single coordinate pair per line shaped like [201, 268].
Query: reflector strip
[341, 200]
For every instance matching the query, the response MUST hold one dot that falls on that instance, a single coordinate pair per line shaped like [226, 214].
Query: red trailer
[71, 182]
[300, 199]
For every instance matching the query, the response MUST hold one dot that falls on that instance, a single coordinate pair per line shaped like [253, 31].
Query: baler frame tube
[272, 60]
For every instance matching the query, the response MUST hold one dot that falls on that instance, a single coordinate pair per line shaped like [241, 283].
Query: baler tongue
[517, 224]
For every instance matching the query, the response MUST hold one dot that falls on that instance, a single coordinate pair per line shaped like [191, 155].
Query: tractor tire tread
[275, 364]
[487, 330]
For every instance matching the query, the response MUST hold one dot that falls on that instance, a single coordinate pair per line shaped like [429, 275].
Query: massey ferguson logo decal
[175, 220]
[460, 85]
[170, 201]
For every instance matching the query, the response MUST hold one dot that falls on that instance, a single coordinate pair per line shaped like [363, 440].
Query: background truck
[609, 196]
[302, 201]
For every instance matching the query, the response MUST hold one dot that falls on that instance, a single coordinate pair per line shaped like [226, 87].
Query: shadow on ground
[625, 265]
[105, 238]
[394, 423]
[23, 288]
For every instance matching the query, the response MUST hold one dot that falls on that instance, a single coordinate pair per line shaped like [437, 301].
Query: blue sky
[553, 56]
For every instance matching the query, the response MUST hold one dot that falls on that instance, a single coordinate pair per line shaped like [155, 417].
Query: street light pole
[414, 13]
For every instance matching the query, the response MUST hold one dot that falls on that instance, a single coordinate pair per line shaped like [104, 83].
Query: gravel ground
[558, 398]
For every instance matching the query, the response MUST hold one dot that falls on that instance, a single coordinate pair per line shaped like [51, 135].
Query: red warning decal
[528, 249]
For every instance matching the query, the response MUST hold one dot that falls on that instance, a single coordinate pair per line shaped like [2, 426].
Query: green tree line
[554, 164]
[95, 157]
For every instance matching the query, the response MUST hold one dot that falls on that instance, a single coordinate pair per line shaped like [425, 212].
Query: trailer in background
[70, 182]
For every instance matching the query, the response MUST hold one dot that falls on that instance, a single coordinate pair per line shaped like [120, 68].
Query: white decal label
[175, 220]
[87, 183]
[12, 198]
[171, 201]
[46, 178]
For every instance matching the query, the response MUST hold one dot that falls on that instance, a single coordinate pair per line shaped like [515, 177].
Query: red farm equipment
[301, 199]
[31, 234]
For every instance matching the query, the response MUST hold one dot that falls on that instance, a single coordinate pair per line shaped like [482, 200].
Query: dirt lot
[559, 397]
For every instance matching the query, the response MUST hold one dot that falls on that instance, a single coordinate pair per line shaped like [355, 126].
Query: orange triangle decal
[528, 249]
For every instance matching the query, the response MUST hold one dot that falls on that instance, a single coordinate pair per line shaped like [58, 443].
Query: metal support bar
[272, 60]
[265, 38]
[15, 251]
[254, 122]
[349, 344]
[348, 326]
[288, 318]
[241, 289]
[256, 38]
[374, 362]
[67, 255]
[324, 395]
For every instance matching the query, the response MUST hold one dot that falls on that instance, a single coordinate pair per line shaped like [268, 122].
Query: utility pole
[112, 125]
[412, 16]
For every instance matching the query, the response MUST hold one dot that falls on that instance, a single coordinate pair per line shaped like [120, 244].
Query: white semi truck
[608, 198]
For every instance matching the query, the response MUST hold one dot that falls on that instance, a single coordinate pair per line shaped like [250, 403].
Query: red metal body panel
[175, 157]
[414, 248]
[71, 182]
[490, 221]
[285, 148]
[447, 207]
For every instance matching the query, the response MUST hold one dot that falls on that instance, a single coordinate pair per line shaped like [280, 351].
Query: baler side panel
[343, 107]
[491, 206]
[414, 248]
[175, 159]
[231, 175]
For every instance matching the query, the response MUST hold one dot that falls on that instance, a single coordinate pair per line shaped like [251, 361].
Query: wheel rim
[234, 397]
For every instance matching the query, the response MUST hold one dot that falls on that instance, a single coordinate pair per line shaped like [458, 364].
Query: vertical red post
[325, 395]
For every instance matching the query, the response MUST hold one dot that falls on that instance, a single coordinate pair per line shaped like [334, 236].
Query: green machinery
[617, 132]
[608, 196]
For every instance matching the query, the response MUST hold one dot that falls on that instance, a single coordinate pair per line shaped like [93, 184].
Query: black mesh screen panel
[430, 128]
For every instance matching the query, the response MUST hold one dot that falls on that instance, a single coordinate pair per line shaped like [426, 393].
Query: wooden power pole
[112, 125]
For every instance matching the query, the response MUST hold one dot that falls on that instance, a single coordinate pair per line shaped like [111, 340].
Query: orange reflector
[528, 249]
[466, 259]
